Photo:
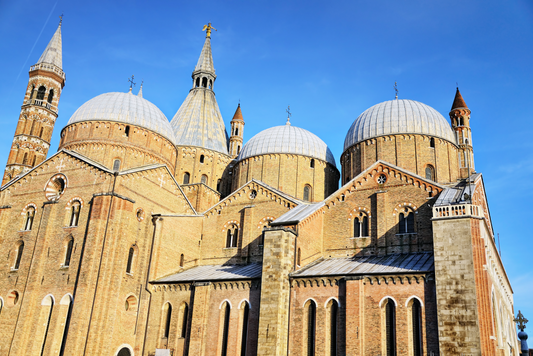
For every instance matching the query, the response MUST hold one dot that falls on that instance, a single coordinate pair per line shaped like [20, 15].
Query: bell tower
[39, 111]
[460, 116]
[237, 128]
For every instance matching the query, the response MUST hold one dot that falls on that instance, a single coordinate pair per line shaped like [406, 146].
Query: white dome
[287, 139]
[398, 117]
[126, 108]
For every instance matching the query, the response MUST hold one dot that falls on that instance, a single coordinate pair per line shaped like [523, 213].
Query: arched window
[20, 250]
[307, 192]
[75, 213]
[312, 165]
[197, 82]
[202, 158]
[186, 177]
[226, 309]
[311, 328]
[124, 352]
[184, 320]
[244, 339]
[407, 222]
[416, 327]
[333, 317]
[390, 327]
[25, 158]
[236, 131]
[51, 95]
[219, 182]
[210, 84]
[238, 149]
[131, 254]
[430, 172]
[68, 254]
[231, 236]
[361, 225]
[127, 131]
[167, 318]
[40, 92]
[203, 179]
[116, 165]
[30, 215]
[182, 260]
[41, 132]
[32, 91]
[432, 142]
[44, 320]
[204, 82]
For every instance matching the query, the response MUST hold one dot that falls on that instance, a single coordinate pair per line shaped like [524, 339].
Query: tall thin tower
[39, 111]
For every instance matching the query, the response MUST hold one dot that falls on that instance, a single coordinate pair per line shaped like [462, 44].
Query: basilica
[148, 236]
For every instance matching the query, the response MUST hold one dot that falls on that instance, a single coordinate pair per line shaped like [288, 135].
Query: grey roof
[297, 214]
[456, 194]
[400, 263]
[396, 117]
[53, 52]
[287, 139]
[126, 108]
[205, 62]
[213, 273]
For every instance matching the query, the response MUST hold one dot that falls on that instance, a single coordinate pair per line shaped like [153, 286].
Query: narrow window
[357, 228]
[25, 158]
[236, 131]
[41, 92]
[312, 163]
[29, 218]
[116, 165]
[299, 257]
[238, 149]
[219, 182]
[244, 339]
[333, 328]
[311, 328]
[197, 82]
[202, 157]
[20, 250]
[410, 223]
[432, 142]
[68, 254]
[130, 260]
[32, 91]
[364, 226]
[204, 82]
[182, 260]
[402, 224]
[127, 131]
[226, 310]
[417, 328]
[210, 84]
[204, 179]
[51, 95]
[41, 132]
[186, 177]
[185, 320]
[75, 213]
[430, 172]
[307, 193]
[390, 325]
[168, 318]
[231, 236]
[65, 331]
[50, 304]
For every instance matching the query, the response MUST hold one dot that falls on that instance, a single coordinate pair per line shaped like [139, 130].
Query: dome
[126, 108]
[398, 117]
[287, 139]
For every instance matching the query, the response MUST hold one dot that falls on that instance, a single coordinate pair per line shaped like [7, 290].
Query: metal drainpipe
[155, 218]
[115, 174]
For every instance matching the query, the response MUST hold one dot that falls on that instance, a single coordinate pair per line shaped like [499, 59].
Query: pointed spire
[458, 102]
[238, 114]
[205, 62]
[53, 53]
[140, 94]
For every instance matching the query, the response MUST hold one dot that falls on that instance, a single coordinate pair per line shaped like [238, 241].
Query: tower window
[33, 161]
[231, 236]
[25, 158]
[129, 265]
[41, 132]
[204, 82]
[236, 131]
[210, 84]
[30, 214]
[307, 192]
[407, 222]
[202, 158]
[51, 95]
[20, 250]
[299, 257]
[68, 254]
[197, 82]
[219, 183]
[116, 165]
[127, 131]
[432, 142]
[40, 92]
[32, 91]
[312, 165]
[203, 179]
[430, 172]
[238, 149]
[186, 177]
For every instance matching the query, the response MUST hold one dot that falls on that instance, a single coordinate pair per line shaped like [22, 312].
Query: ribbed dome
[287, 139]
[397, 117]
[126, 108]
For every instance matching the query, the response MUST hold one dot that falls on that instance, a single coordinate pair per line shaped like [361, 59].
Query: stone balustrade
[49, 67]
[452, 211]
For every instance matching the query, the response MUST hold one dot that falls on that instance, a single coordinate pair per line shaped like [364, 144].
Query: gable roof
[216, 272]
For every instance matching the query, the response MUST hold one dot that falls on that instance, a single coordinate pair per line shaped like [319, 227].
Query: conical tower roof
[458, 102]
[198, 121]
[238, 114]
[53, 53]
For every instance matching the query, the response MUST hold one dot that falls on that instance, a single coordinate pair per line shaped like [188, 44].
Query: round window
[55, 187]
[381, 179]
[140, 214]
[253, 194]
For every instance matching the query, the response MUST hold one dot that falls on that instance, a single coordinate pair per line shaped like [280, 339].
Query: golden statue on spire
[208, 29]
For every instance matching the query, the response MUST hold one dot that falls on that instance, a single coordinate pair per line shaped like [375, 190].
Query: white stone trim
[387, 297]
[247, 301]
[414, 297]
[44, 299]
[225, 300]
[334, 298]
[124, 346]
[308, 299]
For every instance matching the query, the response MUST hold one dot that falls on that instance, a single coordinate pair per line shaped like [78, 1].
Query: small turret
[460, 117]
[237, 128]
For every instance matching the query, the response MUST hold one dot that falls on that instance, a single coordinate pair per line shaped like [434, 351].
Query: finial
[239, 102]
[396, 89]
[207, 28]
[288, 115]
[140, 94]
[521, 321]
[60, 20]
[131, 82]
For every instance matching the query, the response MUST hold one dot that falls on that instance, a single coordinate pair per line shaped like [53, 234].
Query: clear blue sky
[328, 60]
